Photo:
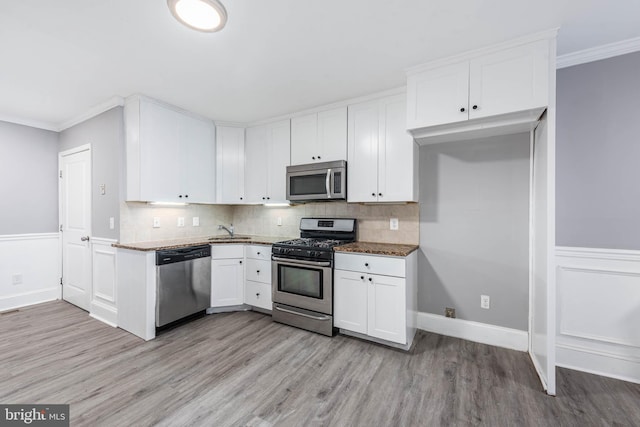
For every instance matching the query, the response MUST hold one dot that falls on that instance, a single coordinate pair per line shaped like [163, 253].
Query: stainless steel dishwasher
[183, 278]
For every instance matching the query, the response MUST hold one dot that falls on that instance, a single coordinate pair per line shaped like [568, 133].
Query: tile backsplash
[373, 220]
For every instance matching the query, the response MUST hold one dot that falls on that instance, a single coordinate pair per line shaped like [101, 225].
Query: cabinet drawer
[258, 270]
[387, 266]
[227, 251]
[258, 252]
[258, 295]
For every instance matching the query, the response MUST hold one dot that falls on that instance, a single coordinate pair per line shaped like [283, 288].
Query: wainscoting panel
[599, 311]
[30, 269]
[104, 294]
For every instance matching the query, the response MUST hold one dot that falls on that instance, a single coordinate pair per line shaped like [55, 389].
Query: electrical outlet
[16, 279]
[196, 221]
[393, 224]
[450, 312]
[156, 222]
[181, 221]
[279, 222]
[485, 301]
[112, 223]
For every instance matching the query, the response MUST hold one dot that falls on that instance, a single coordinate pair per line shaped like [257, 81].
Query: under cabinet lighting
[168, 203]
[276, 205]
[201, 15]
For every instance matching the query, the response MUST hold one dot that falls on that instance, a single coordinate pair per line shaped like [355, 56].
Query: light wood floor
[242, 369]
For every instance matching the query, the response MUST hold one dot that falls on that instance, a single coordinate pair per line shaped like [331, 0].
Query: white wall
[36, 258]
[599, 311]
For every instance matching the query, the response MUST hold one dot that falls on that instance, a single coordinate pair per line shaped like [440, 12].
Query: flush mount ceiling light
[202, 15]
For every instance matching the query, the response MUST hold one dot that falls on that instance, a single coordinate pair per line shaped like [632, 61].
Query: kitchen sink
[229, 238]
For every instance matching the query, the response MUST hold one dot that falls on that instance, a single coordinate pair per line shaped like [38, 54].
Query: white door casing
[75, 222]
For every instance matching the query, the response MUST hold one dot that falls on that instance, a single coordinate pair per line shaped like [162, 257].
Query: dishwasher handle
[170, 256]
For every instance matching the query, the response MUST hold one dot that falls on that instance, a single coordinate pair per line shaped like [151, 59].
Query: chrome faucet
[229, 230]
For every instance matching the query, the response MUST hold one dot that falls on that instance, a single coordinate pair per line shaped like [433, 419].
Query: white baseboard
[104, 313]
[598, 300]
[29, 298]
[499, 336]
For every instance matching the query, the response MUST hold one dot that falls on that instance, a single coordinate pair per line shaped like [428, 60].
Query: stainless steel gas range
[302, 273]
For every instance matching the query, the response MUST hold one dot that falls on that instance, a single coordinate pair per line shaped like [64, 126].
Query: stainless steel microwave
[317, 181]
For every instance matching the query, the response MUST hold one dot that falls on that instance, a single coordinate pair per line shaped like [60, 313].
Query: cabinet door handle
[475, 107]
[462, 110]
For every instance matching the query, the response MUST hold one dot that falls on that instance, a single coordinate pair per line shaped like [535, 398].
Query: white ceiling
[60, 58]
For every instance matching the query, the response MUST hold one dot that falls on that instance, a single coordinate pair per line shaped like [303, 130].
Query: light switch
[279, 222]
[156, 222]
[181, 221]
[393, 224]
[196, 221]
[103, 189]
[112, 223]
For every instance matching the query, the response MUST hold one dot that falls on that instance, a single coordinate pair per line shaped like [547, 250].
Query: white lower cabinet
[368, 302]
[227, 276]
[257, 291]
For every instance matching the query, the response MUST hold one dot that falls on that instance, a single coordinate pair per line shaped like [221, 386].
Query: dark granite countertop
[388, 249]
[194, 241]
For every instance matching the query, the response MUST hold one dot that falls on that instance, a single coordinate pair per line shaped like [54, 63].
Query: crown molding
[599, 52]
[115, 101]
[28, 122]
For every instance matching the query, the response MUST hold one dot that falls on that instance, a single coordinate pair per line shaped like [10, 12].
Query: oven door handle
[302, 314]
[298, 262]
[328, 183]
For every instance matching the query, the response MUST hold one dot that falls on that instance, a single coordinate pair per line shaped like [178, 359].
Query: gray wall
[28, 180]
[598, 154]
[105, 134]
[474, 229]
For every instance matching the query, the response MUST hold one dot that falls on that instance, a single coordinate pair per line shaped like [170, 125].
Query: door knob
[84, 239]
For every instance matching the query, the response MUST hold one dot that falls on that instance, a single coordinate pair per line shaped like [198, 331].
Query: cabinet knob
[240, 262]
[370, 279]
[258, 253]
[264, 198]
[361, 277]
[373, 194]
[380, 194]
[268, 198]
[313, 158]
[257, 271]
[180, 196]
[318, 157]
[258, 294]
[366, 264]
[186, 195]
[475, 107]
[462, 110]
[240, 198]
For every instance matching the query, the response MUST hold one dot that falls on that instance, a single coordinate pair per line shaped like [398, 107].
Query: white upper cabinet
[382, 161]
[267, 149]
[230, 164]
[170, 154]
[510, 80]
[494, 87]
[319, 137]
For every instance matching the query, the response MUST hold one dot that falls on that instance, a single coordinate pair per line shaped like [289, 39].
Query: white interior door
[75, 221]
[542, 336]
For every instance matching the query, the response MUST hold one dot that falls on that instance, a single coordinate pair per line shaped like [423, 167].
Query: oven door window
[308, 185]
[300, 281]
